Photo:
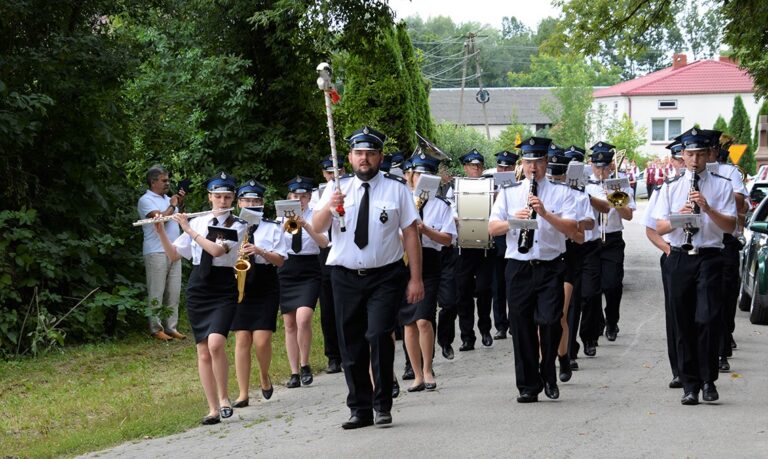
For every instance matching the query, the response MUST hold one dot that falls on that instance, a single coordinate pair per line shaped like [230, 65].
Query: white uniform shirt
[389, 200]
[188, 248]
[308, 245]
[149, 202]
[438, 215]
[733, 173]
[269, 236]
[719, 195]
[583, 210]
[613, 221]
[650, 221]
[594, 189]
[549, 243]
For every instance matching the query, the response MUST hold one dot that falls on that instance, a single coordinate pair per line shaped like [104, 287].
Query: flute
[149, 221]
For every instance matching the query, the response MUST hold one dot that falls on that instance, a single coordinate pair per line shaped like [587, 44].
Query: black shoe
[690, 398]
[565, 368]
[226, 411]
[395, 388]
[486, 339]
[210, 420]
[733, 343]
[294, 382]
[723, 365]
[466, 346]
[447, 351]
[306, 375]
[501, 334]
[574, 365]
[240, 403]
[675, 383]
[382, 418]
[709, 392]
[590, 348]
[408, 373]
[611, 332]
[333, 367]
[417, 388]
[430, 385]
[551, 390]
[356, 422]
[527, 398]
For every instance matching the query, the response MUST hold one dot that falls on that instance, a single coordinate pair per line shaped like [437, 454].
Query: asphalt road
[616, 405]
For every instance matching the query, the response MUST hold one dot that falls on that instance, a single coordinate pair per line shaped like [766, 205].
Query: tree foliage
[763, 111]
[547, 71]
[626, 135]
[740, 128]
[721, 125]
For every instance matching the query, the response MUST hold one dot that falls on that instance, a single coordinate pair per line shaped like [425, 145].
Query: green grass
[90, 397]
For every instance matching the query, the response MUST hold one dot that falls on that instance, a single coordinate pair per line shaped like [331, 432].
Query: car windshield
[759, 191]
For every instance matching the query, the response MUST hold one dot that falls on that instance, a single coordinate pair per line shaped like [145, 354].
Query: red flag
[335, 97]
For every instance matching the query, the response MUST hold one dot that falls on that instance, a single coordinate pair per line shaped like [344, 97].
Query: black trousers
[474, 275]
[694, 287]
[535, 297]
[500, 319]
[669, 322]
[327, 310]
[575, 259]
[366, 315]
[731, 280]
[591, 292]
[446, 297]
[612, 275]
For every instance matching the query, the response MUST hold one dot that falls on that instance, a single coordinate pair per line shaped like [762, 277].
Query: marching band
[382, 249]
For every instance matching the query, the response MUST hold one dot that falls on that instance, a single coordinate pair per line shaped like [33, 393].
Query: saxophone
[242, 265]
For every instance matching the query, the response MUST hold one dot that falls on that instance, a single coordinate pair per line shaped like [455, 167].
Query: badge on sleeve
[383, 217]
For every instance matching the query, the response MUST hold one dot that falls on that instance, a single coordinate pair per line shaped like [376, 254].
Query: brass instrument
[525, 240]
[242, 265]
[421, 199]
[150, 221]
[618, 198]
[291, 225]
[689, 232]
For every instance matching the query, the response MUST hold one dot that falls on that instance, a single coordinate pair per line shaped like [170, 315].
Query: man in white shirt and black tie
[369, 277]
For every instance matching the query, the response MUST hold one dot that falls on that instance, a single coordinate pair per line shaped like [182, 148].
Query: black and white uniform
[258, 310]
[694, 281]
[731, 250]
[368, 285]
[612, 262]
[591, 324]
[535, 282]
[446, 293]
[325, 295]
[211, 297]
[437, 214]
[300, 275]
[575, 259]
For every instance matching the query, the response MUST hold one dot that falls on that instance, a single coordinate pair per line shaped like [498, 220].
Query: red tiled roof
[700, 77]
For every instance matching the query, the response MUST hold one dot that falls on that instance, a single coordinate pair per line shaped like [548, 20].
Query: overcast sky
[483, 11]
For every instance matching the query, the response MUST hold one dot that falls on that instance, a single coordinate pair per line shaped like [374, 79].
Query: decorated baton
[331, 96]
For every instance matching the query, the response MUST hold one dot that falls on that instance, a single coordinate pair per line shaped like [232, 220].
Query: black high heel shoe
[267, 393]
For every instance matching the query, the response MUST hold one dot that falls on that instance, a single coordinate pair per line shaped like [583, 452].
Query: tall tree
[416, 83]
[740, 128]
[626, 135]
[763, 111]
[720, 124]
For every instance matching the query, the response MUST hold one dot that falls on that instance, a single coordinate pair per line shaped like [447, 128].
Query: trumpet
[690, 231]
[291, 225]
[150, 221]
[242, 265]
[618, 198]
[525, 240]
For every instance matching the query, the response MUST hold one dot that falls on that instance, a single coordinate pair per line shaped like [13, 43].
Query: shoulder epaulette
[346, 176]
[656, 187]
[447, 202]
[557, 183]
[511, 185]
[673, 179]
[240, 220]
[579, 188]
[487, 176]
[593, 182]
[718, 175]
[266, 220]
[396, 178]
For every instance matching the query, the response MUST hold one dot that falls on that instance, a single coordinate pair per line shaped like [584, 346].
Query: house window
[667, 104]
[665, 129]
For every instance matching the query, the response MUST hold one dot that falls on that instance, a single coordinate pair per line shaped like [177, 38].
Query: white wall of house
[663, 124]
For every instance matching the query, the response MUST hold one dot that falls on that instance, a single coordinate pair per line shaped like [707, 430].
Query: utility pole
[464, 78]
[482, 94]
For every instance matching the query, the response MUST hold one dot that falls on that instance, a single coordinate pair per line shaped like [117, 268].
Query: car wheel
[745, 301]
[758, 311]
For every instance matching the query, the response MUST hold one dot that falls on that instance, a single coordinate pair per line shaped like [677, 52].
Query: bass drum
[474, 200]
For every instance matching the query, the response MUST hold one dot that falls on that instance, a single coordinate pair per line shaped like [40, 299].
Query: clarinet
[689, 232]
[525, 240]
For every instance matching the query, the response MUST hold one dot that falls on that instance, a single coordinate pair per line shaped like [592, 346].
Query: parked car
[757, 192]
[642, 188]
[753, 296]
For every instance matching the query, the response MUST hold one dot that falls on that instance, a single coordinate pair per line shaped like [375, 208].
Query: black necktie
[361, 229]
[206, 259]
[296, 242]
[421, 215]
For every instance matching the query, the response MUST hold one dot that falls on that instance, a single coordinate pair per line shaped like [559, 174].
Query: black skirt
[299, 282]
[258, 310]
[425, 309]
[211, 301]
